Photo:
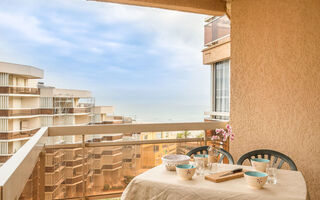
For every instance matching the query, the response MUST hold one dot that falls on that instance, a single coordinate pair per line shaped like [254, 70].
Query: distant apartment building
[65, 107]
[217, 54]
[26, 105]
[151, 154]
[19, 106]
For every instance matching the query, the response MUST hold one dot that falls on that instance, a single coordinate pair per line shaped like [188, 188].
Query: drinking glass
[199, 166]
[213, 167]
[272, 175]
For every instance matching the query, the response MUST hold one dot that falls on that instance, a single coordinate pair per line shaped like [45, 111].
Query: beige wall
[275, 81]
[27, 123]
[217, 53]
[82, 119]
[24, 102]
[15, 102]
[30, 102]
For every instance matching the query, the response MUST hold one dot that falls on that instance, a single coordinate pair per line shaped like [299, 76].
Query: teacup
[256, 179]
[260, 164]
[186, 171]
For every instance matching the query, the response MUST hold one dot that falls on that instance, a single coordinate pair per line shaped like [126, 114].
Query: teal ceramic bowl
[260, 160]
[201, 156]
[260, 164]
[186, 171]
[256, 179]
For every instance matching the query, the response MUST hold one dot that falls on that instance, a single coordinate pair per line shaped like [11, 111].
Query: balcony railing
[7, 135]
[216, 29]
[216, 115]
[19, 90]
[37, 171]
[19, 112]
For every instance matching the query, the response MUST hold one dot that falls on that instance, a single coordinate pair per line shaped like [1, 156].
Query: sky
[146, 62]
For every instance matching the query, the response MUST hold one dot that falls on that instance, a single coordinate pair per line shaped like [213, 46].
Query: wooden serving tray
[217, 179]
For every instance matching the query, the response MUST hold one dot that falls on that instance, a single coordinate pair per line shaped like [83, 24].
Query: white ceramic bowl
[185, 172]
[171, 160]
[256, 179]
[260, 164]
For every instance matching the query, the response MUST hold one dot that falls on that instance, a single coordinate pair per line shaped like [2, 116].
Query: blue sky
[144, 61]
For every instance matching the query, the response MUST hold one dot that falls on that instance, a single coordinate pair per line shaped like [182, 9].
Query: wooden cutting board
[216, 177]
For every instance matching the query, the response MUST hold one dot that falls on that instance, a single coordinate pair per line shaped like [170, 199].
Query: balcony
[19, 90]
[90, 168]
[19, 112]
[7, 135]
[73, 110]
[217, 28]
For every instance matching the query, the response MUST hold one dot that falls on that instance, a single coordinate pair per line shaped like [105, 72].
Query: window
[221, 89]
[3, 147]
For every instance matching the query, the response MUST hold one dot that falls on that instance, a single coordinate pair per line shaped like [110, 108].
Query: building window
[221, 89]
[3, 147]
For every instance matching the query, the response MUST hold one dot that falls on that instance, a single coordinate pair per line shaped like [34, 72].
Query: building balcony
[64, 111]
[56, 177]
[105, 172]
[216, 28]
[8, 135]
[19, 90]
[14, 112]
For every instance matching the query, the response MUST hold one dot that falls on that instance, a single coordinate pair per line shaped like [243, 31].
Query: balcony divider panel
[17, 170]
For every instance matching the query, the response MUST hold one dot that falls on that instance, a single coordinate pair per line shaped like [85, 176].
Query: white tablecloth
[158, 183]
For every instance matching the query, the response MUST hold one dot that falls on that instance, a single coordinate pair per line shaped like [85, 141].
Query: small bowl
[171, 160]
[260, 164]
[255, 179]
[185, 172]
[202, 156]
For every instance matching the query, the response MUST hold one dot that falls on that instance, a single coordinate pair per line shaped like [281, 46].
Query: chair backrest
[266, 153]
[222, 153]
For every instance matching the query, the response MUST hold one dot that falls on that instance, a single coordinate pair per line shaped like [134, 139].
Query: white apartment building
[19, 106]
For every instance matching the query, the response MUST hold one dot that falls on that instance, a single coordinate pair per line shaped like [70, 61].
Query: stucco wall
[275, 81]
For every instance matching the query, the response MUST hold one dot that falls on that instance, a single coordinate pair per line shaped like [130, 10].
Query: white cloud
[29, 27]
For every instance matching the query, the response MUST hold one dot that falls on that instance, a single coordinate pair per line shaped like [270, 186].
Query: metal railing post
[42, 174]
[83, 175]
[35, 182]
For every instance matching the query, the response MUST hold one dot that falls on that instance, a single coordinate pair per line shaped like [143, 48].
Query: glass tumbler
[199, 161]
[272, 175]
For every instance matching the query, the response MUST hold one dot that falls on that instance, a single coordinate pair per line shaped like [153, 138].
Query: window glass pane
[222, 87]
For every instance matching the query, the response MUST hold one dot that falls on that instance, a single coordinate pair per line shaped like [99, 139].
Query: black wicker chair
[222, 153]
[266, 153]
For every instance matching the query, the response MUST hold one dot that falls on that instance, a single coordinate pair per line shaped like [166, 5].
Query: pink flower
[224, 134]
[228, 126]
[232, 137]
[219, 130]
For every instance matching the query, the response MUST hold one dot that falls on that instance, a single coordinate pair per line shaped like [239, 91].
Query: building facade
[19, 106]
[216, 54]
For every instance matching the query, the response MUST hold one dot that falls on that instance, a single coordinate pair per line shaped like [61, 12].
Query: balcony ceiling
[208, 7]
